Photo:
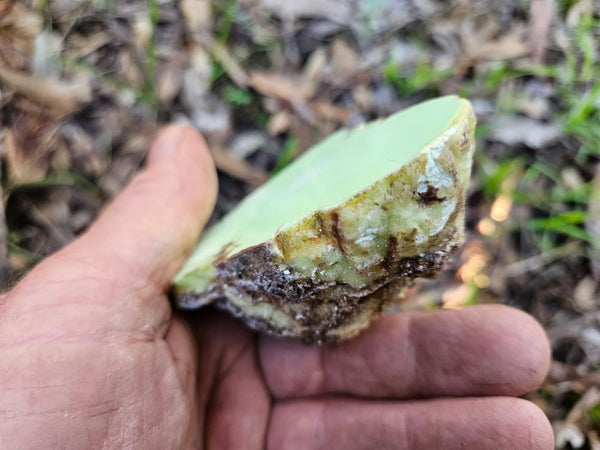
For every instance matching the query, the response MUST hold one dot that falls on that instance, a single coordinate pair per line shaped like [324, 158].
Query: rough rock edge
[311, 296]
[370, 309]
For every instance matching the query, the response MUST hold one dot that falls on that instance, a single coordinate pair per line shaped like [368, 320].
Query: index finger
[483, 350]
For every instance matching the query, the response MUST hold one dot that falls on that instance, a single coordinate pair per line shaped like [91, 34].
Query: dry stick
[536, 262]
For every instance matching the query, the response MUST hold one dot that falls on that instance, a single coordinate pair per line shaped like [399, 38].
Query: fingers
[145, 234]
[237, 409]
[484, 350]
[479, 423]
[239, 402]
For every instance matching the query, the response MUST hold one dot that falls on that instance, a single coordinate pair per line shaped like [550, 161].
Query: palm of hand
[92, 358]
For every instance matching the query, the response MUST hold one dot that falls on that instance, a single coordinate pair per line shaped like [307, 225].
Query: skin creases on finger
[483, 350]
[494, 423]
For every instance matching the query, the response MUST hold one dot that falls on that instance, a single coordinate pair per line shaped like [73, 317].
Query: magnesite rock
[328, 275]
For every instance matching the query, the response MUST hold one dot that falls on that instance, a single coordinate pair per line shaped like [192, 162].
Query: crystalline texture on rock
[327, 243]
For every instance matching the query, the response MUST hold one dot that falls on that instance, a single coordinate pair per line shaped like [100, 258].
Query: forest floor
[84, 84]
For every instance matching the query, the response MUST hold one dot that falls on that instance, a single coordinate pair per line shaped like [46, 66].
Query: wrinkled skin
[91, 355]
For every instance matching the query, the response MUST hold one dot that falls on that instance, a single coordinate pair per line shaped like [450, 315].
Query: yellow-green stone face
[311, 252]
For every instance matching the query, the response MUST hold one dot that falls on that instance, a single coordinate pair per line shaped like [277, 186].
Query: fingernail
[166, 143]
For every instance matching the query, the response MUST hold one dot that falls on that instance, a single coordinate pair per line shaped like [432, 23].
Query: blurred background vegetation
[84, 84]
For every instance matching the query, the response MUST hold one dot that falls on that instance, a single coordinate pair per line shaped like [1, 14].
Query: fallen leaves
[281, 87]
[235, 72]
[19, 26]
[510, 46]
[197, 15]
[237, 167]
[58, 95]
[84, 85]
[27, 141]
[572, 431]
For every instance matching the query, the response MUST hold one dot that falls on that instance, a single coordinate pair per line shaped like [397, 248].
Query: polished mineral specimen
[320, 249]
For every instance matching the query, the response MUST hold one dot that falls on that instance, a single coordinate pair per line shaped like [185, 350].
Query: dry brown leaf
[197, 14]
[344, 60]
[10, 55]
[28, 141]
[20, 167]
[509, 46]
[143, 31]
[306, 133]
[18, 30]
[279, 122]
[169, 81]
[362, 96]
[85, 150]
[594, 440]
[23, 21]
[571, 177]
[278, 86]
[294, 92]
[587, 401]
[129, 70]
[237, 167]
[58, 95]
[313, 71]
[584, 297]
[61, 157]
[233, 69]
[79, 46]
[542, 14]
[330, 112]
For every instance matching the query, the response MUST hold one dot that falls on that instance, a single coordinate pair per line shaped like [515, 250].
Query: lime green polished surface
[328, 174]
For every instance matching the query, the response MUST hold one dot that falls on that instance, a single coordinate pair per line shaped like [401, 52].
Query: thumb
[143, 237]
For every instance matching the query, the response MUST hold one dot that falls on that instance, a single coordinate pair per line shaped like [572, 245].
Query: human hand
[91, 355]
